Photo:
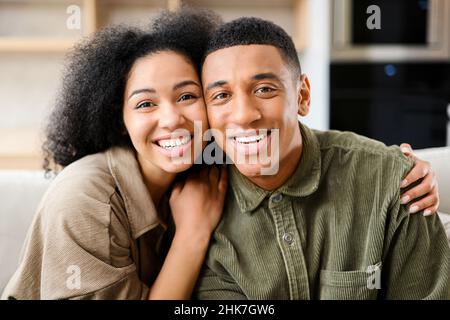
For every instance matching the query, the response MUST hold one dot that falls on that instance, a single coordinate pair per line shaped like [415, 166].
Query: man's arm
[417, 262]
[215, 286]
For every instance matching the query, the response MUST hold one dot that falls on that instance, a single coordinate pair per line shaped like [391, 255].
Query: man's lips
[250, 144]
[249, 136]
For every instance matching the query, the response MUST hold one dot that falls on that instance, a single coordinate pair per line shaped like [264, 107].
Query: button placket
[288, 238]
[292, 254]
[277, 198]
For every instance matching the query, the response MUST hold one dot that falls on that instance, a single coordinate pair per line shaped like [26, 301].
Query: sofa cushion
[21, 192]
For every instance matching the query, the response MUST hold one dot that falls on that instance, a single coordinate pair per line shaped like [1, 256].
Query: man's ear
[304, 95]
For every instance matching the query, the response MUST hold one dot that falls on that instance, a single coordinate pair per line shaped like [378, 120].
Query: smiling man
[329, 224]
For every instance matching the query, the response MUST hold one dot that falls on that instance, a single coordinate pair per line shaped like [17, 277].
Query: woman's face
[163, 98]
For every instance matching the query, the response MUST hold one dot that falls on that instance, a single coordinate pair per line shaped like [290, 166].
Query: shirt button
[277, 198]
[288, 238]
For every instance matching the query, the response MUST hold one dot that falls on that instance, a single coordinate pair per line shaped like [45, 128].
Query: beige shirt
[96, 234]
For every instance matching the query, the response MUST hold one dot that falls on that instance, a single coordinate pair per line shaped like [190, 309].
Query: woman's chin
[175, 166]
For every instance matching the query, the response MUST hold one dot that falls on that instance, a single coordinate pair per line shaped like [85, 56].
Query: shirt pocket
[345, 285]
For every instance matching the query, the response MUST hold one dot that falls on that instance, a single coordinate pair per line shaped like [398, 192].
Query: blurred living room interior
[385, 75]
[380, 68]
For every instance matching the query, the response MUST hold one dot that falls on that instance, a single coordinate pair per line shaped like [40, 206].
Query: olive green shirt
[334, 230]
[96, 234]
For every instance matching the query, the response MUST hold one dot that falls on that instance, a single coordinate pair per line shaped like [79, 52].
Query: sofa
[21, 191]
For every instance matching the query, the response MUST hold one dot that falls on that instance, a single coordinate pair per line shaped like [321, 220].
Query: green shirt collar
[303, 182]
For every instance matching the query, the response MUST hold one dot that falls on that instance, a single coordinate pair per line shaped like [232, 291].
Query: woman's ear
[304, 95]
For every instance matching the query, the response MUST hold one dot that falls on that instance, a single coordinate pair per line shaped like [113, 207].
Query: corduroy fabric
[331, 231]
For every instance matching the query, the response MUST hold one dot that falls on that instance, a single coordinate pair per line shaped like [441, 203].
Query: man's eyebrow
[268, 75]
[185, 83]
[215, 84]
[259, 76]
[150, 90]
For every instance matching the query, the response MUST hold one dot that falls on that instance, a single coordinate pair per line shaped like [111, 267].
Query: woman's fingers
[424, 188]
[176, 190]
[406, 149]
[214, 175]
[204, 173]
[426, 204]
[428, 187]
[421, 169]
[223, 182]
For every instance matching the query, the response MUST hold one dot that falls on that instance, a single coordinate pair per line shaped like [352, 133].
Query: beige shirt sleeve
[76, 248]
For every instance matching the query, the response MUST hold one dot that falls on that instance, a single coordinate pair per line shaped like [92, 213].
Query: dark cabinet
[392, 103]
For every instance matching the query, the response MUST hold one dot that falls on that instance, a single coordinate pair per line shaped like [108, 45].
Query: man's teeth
[250, 139]
[172, 143]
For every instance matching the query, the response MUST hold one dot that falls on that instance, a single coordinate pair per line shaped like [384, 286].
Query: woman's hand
[428, 187]
[197, 203]
[196, 206]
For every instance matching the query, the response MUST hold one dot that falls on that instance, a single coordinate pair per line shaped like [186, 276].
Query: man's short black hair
[251, 30]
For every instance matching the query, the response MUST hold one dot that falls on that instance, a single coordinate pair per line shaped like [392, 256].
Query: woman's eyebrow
[185, 83]
[149, 90]
[175, 87]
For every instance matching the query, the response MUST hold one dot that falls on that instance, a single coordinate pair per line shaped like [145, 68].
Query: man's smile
[249, 142]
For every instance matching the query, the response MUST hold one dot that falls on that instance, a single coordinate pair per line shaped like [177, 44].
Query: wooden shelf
[45, 43]
[291, 15]
[35, 45]
[20, 149]
[19, 142]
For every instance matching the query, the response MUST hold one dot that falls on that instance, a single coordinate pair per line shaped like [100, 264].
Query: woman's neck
[156, 179]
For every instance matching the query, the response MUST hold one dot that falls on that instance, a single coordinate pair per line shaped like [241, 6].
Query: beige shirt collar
[139, 206]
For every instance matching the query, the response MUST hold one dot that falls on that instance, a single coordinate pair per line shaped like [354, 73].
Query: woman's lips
[173, 147]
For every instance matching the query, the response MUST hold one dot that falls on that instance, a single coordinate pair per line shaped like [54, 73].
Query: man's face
[252, 94]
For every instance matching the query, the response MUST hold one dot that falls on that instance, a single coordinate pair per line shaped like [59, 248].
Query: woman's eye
[146, 104]
[186, 97]
[220, 96]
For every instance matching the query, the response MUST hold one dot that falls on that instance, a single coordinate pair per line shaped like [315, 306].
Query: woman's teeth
[250, 139]
[173, 143]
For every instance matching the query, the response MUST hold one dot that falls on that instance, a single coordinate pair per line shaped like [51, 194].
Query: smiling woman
[161, 107]
[127, 108]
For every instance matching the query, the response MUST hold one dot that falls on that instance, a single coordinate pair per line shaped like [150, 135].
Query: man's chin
[252, 170]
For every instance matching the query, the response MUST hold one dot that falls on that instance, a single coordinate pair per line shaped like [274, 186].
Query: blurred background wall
[359, 80]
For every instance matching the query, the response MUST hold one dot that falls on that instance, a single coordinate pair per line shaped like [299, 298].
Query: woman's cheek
[140, 130]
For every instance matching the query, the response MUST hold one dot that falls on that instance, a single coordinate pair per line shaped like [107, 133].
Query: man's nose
[244, 110]
[170, 117]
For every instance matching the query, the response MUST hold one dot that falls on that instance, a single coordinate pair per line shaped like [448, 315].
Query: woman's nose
[170, 117]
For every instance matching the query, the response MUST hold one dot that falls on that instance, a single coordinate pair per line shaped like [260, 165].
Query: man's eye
[186, 97]
[221, 96]
[146, 104]
[265, 90]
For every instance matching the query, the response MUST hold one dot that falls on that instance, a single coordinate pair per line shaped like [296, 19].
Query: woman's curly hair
[87, 117]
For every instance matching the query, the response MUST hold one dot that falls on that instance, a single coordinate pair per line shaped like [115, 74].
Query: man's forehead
[252, 59]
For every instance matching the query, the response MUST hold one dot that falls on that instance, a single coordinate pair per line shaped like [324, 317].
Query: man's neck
[287, 167]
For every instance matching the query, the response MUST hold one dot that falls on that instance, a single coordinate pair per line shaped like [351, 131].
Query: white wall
[315, 62]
